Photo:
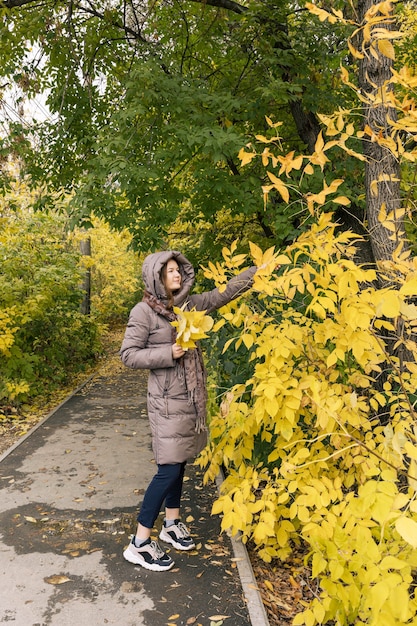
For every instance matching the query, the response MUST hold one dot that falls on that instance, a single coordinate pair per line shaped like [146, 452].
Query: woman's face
[172, 276]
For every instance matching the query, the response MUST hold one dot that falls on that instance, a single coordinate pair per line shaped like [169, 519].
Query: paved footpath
[69, 497]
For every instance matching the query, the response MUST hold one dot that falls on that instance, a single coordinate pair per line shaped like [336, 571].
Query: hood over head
[151, 275]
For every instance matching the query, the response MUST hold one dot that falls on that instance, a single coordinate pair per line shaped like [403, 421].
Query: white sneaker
[177, 535]
[149, 555]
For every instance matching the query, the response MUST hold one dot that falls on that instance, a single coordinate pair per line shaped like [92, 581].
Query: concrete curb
[256, 608]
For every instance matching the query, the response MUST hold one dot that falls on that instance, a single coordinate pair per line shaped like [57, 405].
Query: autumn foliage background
[313, 408]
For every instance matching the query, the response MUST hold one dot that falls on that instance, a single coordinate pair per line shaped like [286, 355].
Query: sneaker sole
[153, 567]
[178, 546]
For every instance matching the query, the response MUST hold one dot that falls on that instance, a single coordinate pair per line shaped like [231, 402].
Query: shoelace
[184, 534]
[156, 550]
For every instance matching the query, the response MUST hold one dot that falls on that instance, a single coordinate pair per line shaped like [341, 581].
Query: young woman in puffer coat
[176, 394]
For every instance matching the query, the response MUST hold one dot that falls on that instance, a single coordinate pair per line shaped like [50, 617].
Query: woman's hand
[177, 351]
[264, 265]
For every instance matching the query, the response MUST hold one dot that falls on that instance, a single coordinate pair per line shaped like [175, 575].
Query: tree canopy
[152, 102]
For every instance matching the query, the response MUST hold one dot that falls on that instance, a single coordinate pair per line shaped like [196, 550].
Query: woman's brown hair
[168, 292]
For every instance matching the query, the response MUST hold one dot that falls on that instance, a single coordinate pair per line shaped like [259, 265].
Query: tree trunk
[85, 249]
[382, 169]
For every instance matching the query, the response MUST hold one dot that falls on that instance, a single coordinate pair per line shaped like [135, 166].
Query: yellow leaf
[407, 528]
[245, 157]
[262, 139]
[227, 344]
[271, 123]
[176, 616]
[386, 48]
[306, 617]
[392, 562]
[247, 340]
[288, 163]
[283, 259]
[279, 186]
[321, 13]
[382, 215]
[217, 507]
[57, 580]
[342, 200]
[273, 456]
[319, 613]
[409, 288]
[319, 143]
[269, 585]
[354, 51]
[388, 304]
[319, 564]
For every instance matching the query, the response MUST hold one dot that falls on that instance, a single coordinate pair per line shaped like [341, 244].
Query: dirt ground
[285, 588]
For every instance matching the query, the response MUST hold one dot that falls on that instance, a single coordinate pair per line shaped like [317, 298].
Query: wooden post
[85, 248]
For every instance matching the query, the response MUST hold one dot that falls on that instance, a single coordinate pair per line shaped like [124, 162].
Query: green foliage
[315, 450]
[148, 120]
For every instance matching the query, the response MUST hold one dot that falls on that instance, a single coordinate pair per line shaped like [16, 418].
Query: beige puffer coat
[147, 344]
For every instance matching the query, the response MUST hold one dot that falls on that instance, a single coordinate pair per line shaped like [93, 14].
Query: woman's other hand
[177, 351]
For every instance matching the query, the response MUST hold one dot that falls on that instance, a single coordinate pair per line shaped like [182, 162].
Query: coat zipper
[165, 395]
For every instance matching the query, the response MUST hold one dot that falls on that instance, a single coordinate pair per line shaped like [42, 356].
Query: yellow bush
[114, 268]
[314, 449]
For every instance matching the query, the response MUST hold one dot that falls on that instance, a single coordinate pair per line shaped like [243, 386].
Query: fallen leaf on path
[78, 545]
[57, 580]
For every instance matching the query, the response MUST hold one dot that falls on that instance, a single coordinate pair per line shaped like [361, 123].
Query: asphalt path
[70, 492]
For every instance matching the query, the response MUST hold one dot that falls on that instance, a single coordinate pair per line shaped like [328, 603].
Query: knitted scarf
[190, 367]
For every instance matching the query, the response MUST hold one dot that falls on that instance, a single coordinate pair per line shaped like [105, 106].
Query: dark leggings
[166, 486]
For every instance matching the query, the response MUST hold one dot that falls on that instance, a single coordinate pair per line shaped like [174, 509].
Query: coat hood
[151, 275]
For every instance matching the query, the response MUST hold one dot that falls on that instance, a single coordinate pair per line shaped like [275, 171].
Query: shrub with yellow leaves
[320, 442]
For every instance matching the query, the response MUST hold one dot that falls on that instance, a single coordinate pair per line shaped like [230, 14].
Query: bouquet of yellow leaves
[191, 326]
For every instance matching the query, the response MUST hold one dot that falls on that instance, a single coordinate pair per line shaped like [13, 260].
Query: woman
[176, 394]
